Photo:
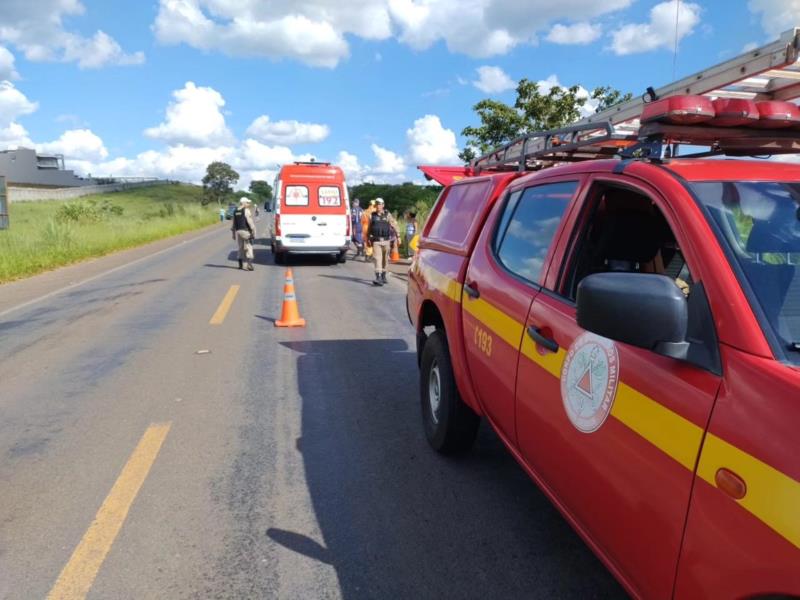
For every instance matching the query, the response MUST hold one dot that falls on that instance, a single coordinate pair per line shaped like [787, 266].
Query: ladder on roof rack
[771, 72]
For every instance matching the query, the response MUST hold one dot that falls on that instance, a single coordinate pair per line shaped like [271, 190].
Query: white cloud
[659, 32]
[315, 31]
[7, 70]
[353, 171]
[389, 163]
[251, 159]
[493, 80]
[77, 144]
[578, 33]
[14, 135]
[311, 31]
[776, 15]
[487, 27]
[184, 163]
[194, 118]
[13, 103]
[37, 29]
[431, 143]
[287, 132]
[97, 51]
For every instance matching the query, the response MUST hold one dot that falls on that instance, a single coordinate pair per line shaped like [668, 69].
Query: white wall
[22, 194]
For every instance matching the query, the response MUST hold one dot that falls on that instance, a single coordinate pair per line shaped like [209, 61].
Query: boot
[249, 266]
[378, 279]
[383, 278]
[241, 265]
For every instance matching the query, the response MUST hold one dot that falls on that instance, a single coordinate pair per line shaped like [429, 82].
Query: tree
[261, 190]
[399, 198]
[533, 110]
[608, 97]
[218, 182]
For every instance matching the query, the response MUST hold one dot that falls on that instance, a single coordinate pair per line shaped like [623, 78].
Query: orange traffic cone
[395, 256]
[290, 315]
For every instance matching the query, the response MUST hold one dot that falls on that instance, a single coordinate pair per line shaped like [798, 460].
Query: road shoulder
[23, 292]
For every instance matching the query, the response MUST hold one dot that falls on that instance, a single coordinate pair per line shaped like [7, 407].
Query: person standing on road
[381, 230]
[365, 220]
[355, 226]
[244, 232]
[221, 214]
[411, 231]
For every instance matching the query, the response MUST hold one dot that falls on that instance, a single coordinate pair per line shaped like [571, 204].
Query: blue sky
[162, 87]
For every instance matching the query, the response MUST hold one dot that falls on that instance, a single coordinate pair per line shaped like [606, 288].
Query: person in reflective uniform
[382, 228]
[365, 220]
[355, 221]
[244, 232]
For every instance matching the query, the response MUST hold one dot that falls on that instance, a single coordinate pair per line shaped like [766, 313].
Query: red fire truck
[620, 301]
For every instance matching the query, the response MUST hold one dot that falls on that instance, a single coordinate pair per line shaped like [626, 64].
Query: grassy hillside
[45, 235]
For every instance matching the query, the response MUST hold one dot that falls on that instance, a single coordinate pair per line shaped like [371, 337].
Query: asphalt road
[282, 463]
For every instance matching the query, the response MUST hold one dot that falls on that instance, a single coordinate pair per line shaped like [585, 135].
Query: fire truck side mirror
[641, 309]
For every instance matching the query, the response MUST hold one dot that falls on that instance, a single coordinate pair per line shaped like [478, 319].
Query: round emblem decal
[589, 381]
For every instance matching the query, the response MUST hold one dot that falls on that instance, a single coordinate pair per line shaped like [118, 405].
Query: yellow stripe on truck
[772, 496]
[505, 327]
[666, 430]
[441, 282]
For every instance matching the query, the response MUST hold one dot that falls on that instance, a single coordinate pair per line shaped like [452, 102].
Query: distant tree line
[399, 198]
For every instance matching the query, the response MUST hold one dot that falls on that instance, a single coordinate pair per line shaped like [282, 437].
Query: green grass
[45, 235]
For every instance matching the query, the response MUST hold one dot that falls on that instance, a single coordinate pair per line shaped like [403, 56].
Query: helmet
[372, 202]
[378, 200]
[245, 200]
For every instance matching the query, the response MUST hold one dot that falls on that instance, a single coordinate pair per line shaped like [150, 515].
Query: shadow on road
[398, 520]
[270, 319]
[345, 278]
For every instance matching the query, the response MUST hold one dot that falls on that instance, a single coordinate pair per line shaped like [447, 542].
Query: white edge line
[103, 274]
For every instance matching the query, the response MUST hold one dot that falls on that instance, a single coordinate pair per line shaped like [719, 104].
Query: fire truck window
[627, 232]
[528, 226]
[457, 215]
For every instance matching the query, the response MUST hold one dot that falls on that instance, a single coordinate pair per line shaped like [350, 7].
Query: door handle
[472, 291]
[545, 342]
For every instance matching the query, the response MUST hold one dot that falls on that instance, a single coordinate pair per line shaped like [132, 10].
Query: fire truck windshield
[760, 224]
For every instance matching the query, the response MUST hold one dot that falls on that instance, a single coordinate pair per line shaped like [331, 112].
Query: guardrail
[28, 194]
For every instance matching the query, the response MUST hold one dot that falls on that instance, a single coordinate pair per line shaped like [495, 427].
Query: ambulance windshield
[760, 222]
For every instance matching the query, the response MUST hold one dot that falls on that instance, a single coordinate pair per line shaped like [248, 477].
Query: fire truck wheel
[450, 425]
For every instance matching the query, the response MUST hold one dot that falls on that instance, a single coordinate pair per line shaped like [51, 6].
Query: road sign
[3, 203]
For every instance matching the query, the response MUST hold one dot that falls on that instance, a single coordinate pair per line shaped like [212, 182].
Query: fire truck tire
[450, 425]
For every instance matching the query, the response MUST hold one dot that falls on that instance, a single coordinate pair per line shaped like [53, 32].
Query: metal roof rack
[771, 72]
[557, 145]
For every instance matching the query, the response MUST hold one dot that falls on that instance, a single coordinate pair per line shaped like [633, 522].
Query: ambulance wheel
[450, 425]
[342, 257]
[280, 258]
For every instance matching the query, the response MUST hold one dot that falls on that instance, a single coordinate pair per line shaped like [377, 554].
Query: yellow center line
[224, 306]
[79, 573]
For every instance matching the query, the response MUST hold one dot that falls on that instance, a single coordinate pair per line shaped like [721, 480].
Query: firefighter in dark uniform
[379, 237]
[244, 232]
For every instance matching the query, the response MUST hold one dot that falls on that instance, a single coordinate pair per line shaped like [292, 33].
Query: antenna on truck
[763, 79]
